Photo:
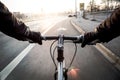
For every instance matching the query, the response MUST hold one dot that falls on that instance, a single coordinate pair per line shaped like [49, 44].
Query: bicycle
[60, 69]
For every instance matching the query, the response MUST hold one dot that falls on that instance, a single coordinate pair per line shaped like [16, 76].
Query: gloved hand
[88, 38]
[34, 37]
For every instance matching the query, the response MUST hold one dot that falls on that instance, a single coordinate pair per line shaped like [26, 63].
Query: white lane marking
[8, 69]
[108, 54]
[11, 66]
[48, 29]
[62, 29]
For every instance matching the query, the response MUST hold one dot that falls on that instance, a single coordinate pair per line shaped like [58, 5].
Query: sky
[38, 6]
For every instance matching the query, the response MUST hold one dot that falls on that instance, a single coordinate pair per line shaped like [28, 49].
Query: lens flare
[73, 73]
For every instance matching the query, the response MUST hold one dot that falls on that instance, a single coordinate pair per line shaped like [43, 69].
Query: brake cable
[53, 52]
[73, 56]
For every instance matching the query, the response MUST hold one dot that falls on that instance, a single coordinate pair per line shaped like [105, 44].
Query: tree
[92, 5]
[111, 4]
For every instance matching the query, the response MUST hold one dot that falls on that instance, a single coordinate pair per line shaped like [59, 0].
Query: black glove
[88, 38]
[35, 37]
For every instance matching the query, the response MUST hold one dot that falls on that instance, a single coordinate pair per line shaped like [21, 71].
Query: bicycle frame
[60, 58]
[61, 70]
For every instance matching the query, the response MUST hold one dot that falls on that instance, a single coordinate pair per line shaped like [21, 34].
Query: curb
[108, 54]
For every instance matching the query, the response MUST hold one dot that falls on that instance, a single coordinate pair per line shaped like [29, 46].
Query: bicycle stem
[60, 49]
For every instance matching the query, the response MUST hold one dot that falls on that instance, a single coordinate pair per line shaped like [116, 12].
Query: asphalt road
[89, 64]
[9, 49]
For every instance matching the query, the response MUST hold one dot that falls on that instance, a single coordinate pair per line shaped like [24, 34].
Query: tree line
[105, 5]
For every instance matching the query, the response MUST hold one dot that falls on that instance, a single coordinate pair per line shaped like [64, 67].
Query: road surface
[89, 64]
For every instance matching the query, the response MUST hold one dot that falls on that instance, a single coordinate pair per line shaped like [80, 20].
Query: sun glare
[43, 6]
[35, 6]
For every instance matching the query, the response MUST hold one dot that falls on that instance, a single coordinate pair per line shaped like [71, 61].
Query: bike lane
[9, 64]
[89, 63]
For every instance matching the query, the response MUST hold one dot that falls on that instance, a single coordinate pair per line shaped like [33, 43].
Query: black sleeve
[10, 25]
[110, 28]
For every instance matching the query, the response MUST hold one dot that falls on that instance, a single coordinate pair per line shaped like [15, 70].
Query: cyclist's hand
[35, 37]
[88, 38]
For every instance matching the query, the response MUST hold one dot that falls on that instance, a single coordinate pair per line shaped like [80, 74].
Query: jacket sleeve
[10, 25]
[110, 28]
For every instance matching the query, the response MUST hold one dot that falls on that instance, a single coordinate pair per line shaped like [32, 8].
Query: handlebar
[60, 45]
[73, 38]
